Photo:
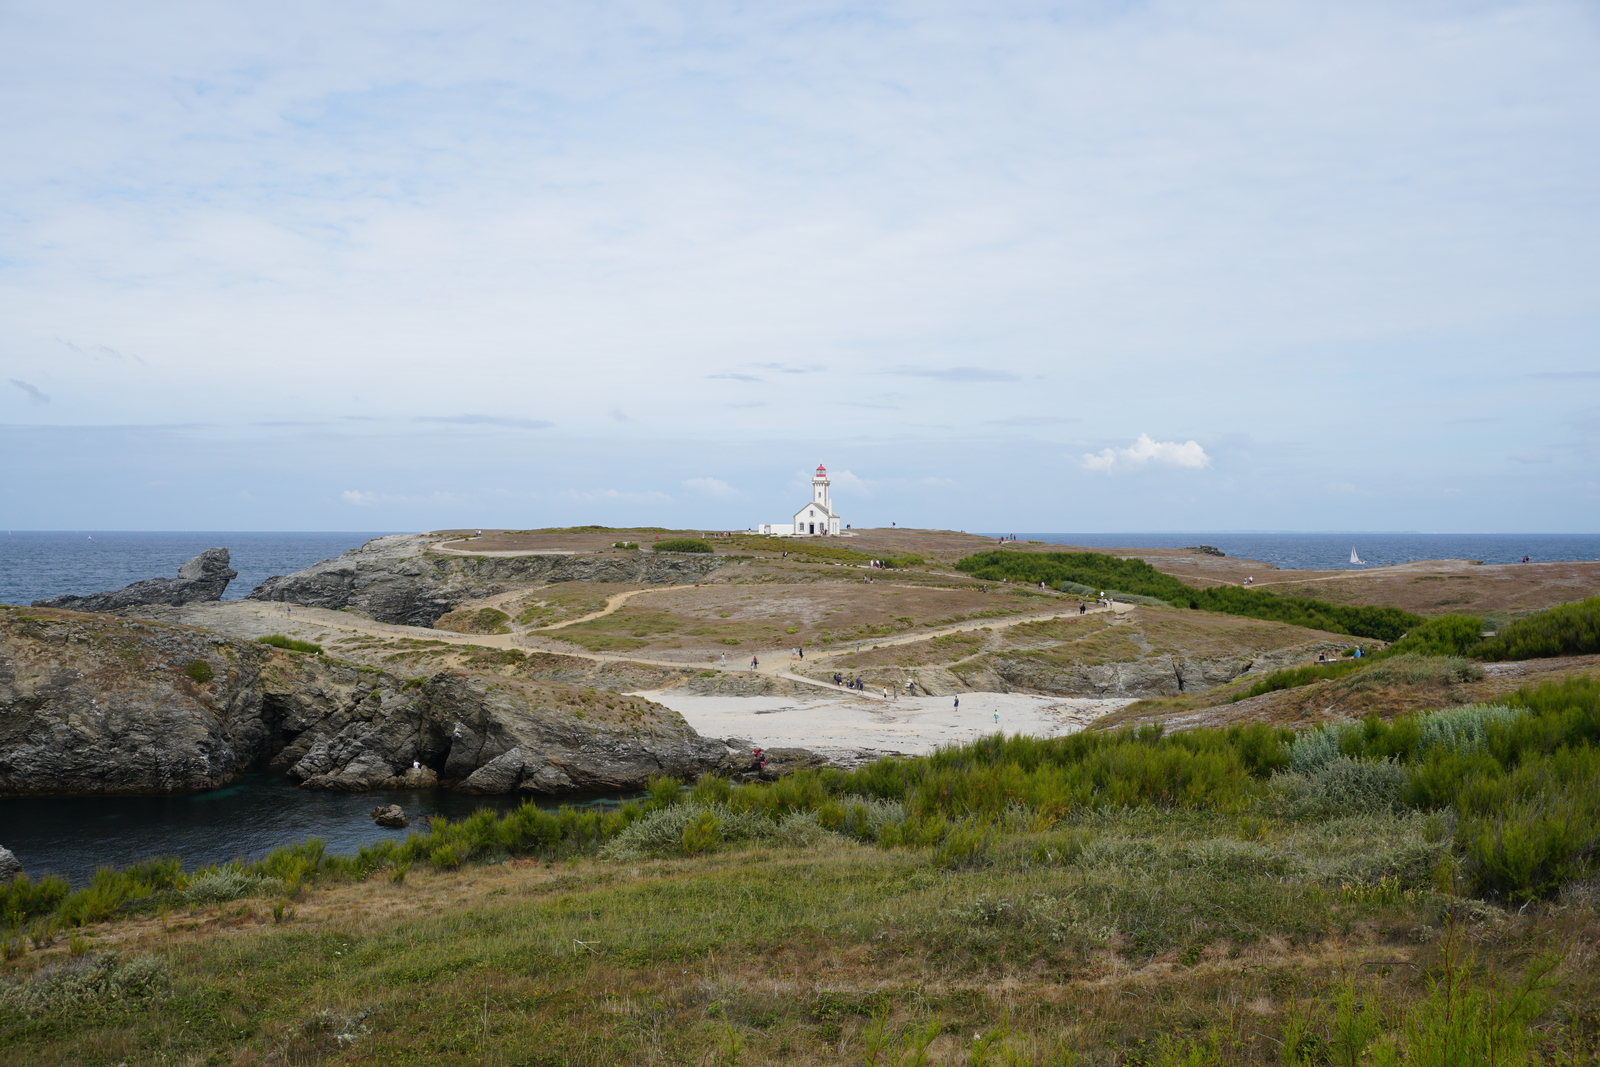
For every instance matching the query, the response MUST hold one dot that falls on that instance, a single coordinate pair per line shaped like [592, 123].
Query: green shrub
[684, 544]
[1565, 630]
[1443, 635]
[289, 644]
[702, 832]
[1134, 576]
[1294, 677]
[633, 545]
[199, 670]
[24, 898]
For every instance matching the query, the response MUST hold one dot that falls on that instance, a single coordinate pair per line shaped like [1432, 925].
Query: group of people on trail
[797, 653]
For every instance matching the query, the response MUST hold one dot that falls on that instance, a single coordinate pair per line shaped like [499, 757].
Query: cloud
[959, 375]
[32, 390]
[1145, 451]
[712, 487]
[737, 377]
[849, 483]
[98, 351]
[618, 416]
[359, 498]
[486, 420]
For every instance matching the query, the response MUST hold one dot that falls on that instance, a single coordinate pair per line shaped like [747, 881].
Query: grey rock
[205, 577]
[391, 815]
[396, 579]
[104, 705]
[10, 866]
[1206, 550]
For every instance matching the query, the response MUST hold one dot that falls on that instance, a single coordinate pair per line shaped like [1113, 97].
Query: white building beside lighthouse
[816, 519]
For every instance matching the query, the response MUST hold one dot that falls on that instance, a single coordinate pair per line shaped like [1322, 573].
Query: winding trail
[772, 662]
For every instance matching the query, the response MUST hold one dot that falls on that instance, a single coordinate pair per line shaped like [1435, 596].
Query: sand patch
[849, 729]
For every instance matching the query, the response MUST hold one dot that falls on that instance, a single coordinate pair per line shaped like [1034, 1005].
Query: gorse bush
[1443, 635]
[1565, 630]
[683, 544]
[1100, 571]
[289, 644]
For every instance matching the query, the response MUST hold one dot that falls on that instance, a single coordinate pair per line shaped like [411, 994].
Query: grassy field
[715, 618]
[1115, 938]
[1421, 892]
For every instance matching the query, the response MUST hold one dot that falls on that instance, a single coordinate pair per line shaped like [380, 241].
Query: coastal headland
[550, 661]
[1337, 826]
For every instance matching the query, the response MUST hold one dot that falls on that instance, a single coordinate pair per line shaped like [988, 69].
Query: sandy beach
[850, 729]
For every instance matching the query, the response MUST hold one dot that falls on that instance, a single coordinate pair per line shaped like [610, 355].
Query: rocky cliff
[103, 704]
[205, 577]
[396, 579]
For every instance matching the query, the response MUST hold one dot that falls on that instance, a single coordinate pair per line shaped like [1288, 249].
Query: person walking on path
[724, 659]
[958, 703]
[754, 663]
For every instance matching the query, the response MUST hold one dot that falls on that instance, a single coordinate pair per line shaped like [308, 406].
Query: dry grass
[715, 617]
[1165, 925]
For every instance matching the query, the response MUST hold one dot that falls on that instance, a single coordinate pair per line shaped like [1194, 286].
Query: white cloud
[712, 487]
[849, 484]
[359, 498]
[1145, 451]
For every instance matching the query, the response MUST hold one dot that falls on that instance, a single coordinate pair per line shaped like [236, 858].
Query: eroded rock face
[98, 704]
[394, 579]
[205, 577]
[1148, 676]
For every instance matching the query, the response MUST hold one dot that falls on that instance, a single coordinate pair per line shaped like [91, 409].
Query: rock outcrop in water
[98, 704]
[205, 577]
[10, 866]
[396, 579]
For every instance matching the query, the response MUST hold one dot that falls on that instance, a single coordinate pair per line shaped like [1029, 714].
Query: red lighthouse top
[821, 470]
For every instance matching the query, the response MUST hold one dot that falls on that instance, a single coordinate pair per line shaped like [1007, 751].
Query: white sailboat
[1353, 557]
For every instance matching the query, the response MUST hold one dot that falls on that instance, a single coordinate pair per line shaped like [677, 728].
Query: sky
[1000, 265]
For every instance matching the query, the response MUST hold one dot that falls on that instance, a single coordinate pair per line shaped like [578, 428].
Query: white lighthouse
[816, 519]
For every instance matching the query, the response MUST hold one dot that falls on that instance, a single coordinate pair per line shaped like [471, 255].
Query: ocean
[1331, 551]
[35, 565]
[38, 564]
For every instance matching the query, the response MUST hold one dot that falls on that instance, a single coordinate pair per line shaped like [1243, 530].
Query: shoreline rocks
[104, 704]
[390, 815]
[10, 866]
[205, 577]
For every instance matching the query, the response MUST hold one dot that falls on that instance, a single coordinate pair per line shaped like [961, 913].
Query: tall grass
[1101, 571]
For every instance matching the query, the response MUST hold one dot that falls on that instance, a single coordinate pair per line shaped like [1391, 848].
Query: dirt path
[325, 620]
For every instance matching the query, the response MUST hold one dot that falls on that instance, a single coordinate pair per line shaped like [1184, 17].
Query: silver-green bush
[87, 981]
